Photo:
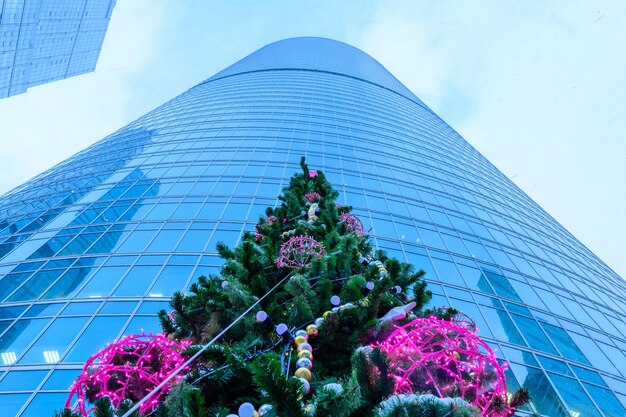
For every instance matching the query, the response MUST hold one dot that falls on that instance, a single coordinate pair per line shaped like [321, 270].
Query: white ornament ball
[318, 321]
[397, 289]
[334, 387]
[246, 410]
[369, 285]
[232, 415]
[335, 300]
[265, 408]
[261, 316]
[302, 333]
[281, 328]
[303, 212]
[304, 363]
[225, 284]
[305, 346]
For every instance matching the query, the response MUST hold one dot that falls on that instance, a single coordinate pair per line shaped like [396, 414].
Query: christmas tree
[305, 319]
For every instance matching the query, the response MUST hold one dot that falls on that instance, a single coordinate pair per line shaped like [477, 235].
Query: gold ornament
[299, 339]
[305, 354]
[457, 355]
[303, 373]
[312, 330]
[327, 314]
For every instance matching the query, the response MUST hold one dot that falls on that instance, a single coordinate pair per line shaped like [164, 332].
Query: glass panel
[577, 401]
[165, 241]
[101, 330]
[448, 272]
[136, 281]
[118, 307]
[565, 343]
[11, 312]
[42, 310]
[61, 379]
[607, 401]
[22, 380]
[543, 396]
[153, 307]
[137, 241]
[194, 241]
[80, 308]
[534, 335]
[12, 403]
[50, 347]
[476, 279]
[102, 283]
[43, 404]
[502, 285]
[14, 341]
[67, 285]
[502, 326]
[145, 324]
[172, 279]
[35, 286]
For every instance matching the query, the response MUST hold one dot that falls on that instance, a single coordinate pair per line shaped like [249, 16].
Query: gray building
[48, 40]
[93, 248]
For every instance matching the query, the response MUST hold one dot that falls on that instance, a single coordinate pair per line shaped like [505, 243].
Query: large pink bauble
[128, 369]
[448, 359]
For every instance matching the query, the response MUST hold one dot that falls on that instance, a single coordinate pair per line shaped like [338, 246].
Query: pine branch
[283, 393]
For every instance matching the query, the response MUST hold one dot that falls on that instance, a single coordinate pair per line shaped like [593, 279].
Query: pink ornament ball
[299, 251]
[447, 358]
[128, 369]
[353, 224]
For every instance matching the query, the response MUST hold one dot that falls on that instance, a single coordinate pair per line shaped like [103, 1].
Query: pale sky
[537, 87]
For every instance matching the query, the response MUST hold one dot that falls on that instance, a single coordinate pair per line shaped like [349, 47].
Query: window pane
[101, 330]
[137, 281]
[15, 340]
[52, 344]
[577, 401]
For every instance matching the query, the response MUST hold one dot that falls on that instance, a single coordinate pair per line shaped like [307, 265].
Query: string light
[128, 369]
[298, 251]
[353, 224]
[447, 358]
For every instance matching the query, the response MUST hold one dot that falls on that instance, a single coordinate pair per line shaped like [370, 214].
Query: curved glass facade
[92, 248]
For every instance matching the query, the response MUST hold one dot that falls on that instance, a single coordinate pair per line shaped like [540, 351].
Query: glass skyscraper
[49, 40]
[93, 248]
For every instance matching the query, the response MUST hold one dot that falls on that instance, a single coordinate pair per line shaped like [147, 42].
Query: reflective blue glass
[101, 241]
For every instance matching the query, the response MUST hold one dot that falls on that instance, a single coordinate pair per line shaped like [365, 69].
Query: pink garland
[298, 251]
[128, 369]
[447, 359]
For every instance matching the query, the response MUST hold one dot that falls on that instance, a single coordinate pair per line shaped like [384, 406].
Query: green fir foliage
[252, 363]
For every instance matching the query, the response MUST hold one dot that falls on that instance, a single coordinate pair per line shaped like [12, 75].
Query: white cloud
[536, 87]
